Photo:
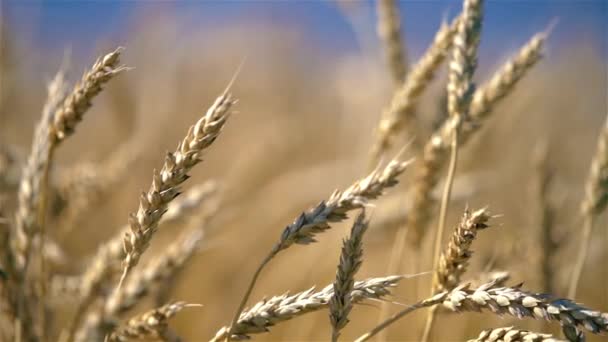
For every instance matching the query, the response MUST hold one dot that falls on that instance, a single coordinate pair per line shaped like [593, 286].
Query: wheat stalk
[150, 325]
[399, 114]
[435, 151]
[351, 258]
[510, 334]
[389, 31]
[270, 312]
[316, 220]
[595, 201]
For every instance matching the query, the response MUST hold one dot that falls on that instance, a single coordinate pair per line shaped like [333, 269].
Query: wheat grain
[510, 334]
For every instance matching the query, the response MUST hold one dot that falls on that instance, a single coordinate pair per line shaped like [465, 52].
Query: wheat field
[212, 186]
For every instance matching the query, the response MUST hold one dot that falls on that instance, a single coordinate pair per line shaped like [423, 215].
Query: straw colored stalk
[104, 265]
[459, 90]
[510, 334]
[434, 156]
[389, 31]
[594, 203]
[454, 259]
[545, 216]
[100, 322]
[317, 220]
[165, 184]
[512, 301]
[399, 115]
[270, 312]
[351, 258]
[150, 325]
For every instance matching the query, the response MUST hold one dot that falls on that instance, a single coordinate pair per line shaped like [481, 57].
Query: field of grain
[411, 182]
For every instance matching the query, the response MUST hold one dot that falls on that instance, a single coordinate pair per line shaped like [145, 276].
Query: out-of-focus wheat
[595, 201]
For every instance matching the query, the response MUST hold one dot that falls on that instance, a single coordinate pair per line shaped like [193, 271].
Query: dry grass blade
[350, 262]
[595, 201]
[270, 312]
[454, 259]
[150, 325]
[317, 219]
[399, 114]
[434, 156]
[511, 334]
[389, 30]
[520, 304]
[165, 184]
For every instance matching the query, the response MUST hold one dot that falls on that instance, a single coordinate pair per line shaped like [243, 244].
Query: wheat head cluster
[125, 289]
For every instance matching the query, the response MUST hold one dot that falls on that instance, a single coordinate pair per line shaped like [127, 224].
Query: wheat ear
[166, 182]
[595, 201]
[520, 304]
[454, 260]
[351, 258]
[435, 151]
[508, 301]
[316, 220]
[150, 325]
[270, 312]
[511, 334]
[399, 115]
[389, 31]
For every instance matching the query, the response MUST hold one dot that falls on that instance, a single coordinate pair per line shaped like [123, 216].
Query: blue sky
[82, 24]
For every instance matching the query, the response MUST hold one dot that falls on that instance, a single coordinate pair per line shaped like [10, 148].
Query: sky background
[81, 25]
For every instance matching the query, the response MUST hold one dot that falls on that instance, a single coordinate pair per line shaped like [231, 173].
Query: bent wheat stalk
[316, 220]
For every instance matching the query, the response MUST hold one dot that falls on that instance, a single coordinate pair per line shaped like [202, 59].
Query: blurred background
[310, 94]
